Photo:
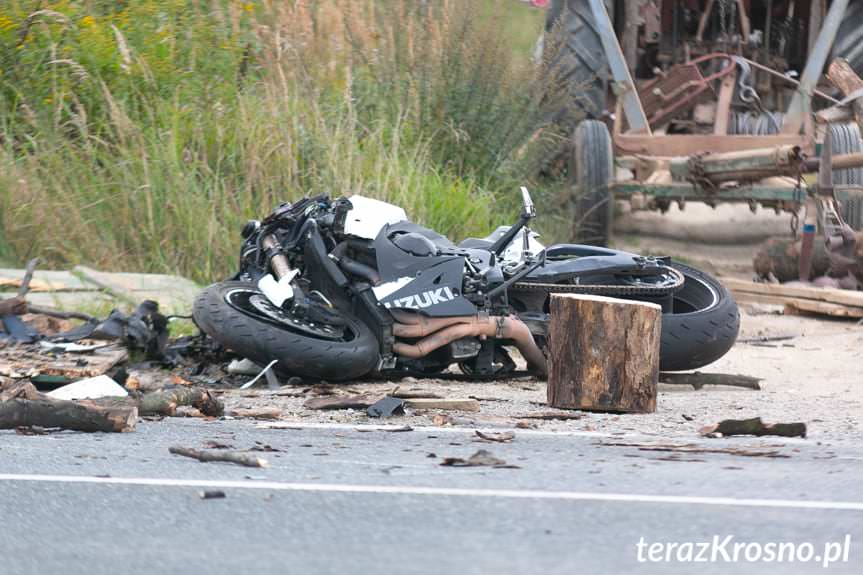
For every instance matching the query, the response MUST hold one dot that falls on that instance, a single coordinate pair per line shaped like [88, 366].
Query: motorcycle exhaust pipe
[417, 325]
[279, 263]
[499, 327]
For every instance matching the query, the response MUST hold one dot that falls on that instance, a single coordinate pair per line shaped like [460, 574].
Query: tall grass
[141, 135]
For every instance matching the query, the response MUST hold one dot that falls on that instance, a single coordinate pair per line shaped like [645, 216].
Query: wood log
[698, 379]
[21, 405]
[238, 457]
[842, 75]
[755, 426]
[13, 306]
[604, 353]
[166, 401]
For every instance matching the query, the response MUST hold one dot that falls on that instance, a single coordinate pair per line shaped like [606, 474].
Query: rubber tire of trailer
[576, 70]
[591, 169]
[297, 354]
[704, 324]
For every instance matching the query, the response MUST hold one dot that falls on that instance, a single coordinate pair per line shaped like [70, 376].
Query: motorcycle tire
[262, 339]
[703, 326]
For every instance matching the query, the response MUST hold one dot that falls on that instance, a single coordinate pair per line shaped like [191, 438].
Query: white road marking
[432, 429]
[440, 491]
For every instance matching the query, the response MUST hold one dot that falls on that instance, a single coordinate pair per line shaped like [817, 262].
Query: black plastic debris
[17, 330]
[215, 494]
[386, 407]
[144, 329]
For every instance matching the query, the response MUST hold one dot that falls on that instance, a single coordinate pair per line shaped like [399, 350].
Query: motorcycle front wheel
[238, 316]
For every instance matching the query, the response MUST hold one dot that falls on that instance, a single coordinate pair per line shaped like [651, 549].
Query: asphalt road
[337, 500]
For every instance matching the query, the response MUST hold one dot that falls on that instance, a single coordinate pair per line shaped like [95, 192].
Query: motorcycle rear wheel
[703, 325]
[235, 314]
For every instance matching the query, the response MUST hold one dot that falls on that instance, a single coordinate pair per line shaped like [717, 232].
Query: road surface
[349, 499]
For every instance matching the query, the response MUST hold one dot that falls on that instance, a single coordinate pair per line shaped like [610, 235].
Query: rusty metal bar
[801, 102]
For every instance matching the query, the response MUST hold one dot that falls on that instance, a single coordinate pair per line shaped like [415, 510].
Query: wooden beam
[829, 295]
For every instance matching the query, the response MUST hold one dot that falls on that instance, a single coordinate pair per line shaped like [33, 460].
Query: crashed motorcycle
[345, 288]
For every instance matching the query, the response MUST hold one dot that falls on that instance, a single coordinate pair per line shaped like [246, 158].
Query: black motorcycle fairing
[435, 291]
[583, 250]
[566, 270]
[394, 263]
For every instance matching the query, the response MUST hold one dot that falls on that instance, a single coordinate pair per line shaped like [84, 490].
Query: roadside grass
[141, 136]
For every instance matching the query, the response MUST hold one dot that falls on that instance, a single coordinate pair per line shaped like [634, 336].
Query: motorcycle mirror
[529, 209]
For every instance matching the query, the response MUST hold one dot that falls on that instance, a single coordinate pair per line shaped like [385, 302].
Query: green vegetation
[141, 135]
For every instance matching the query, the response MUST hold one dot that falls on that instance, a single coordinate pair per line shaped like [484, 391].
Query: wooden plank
[689, 144]
[452, 404]
[830, 295]
[22, 363]
[802, 307]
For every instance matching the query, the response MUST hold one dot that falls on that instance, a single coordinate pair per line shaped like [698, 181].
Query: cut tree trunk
[604, 353]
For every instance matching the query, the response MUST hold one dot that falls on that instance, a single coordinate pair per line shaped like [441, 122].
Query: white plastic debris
[243, 367]
[249, 384]
[90, 388]
[278, 292]
[71, 347]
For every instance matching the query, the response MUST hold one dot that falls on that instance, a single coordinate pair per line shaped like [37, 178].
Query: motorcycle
[341, 289]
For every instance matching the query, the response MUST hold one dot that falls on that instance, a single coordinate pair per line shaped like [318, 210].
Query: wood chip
[504, 437]
[481, 458]
[343, 402]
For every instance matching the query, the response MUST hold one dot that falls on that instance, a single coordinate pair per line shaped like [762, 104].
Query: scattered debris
[215, 494]
[243, 367]
[166, 402]
[237, 457]
[754, 426]
[90, 388]
[442, 419]
[21, 362]
[343, 402]
[504, 437]
[386, 407]
[272, 383]
[481, 458]
[450, 404]
[693, 448]
[767, 338]
[492, 399]
[698, 380]
[551, 416]
[257, 413]
[413, 394]
[213, 444]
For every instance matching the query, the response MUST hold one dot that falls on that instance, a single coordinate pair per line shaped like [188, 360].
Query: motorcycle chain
[607, 290]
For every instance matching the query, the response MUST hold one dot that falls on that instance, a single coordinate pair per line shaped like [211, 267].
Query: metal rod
[801, 102]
